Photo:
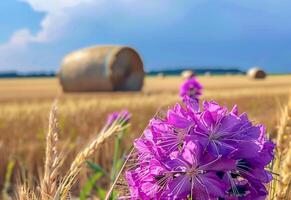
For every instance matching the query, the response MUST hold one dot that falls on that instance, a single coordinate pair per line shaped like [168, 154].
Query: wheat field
[25, 105]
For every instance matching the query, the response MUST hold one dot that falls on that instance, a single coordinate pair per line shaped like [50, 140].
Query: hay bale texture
[256, 73]
[102, 68]
[187, 74]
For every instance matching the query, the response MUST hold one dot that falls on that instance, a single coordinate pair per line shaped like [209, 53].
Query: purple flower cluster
[206, 153]
[191, 88]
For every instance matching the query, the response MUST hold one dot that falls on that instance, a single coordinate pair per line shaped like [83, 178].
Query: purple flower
[191, 88]
[122, 117]
[145, 180]
[183, 174]
[222, 132]
[207, 153]
[196, 174]
[252, 171]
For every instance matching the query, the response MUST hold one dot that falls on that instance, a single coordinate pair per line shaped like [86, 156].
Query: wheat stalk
[70, 177]
[285, 180]
[283, 151]
[53, 159]
[284, 130]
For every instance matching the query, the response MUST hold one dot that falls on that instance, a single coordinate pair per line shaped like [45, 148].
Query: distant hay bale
[187, 74]
[208, 73]
[161, 75]
[102, 68]
[256, 73]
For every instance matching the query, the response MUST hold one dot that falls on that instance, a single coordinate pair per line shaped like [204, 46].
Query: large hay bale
[102, 68]
[161, 75]
[207, 74]
[187, 74]
[256, 73]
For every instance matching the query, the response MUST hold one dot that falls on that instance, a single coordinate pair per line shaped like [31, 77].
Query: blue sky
[36, 34]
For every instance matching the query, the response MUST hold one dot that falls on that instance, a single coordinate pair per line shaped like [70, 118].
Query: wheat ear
[52, 157]
[285, 179]
[284, 131]
[284, 154]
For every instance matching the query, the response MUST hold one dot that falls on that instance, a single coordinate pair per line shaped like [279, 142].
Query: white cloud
[53, 6]
[18, 39]
[51, 25]
[16, 45]
[60, 13]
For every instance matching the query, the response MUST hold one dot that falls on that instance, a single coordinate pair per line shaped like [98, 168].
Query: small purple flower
[122, 117]
[208, 153]
[191, 88]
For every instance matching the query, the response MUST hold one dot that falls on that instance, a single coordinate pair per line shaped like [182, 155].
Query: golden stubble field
[25, 104]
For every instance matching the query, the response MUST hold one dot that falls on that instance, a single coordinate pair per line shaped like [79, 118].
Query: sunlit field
[215, 86]
[25, 105]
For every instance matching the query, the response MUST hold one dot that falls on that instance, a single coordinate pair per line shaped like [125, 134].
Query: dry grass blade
[7, 183]
[70, 177]
[53, 159]
[118, 175]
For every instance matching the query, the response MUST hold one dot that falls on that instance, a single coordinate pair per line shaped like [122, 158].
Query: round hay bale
[207, 74]
[102, 68]
[256, 73]
[187, 74]
[161, 75]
